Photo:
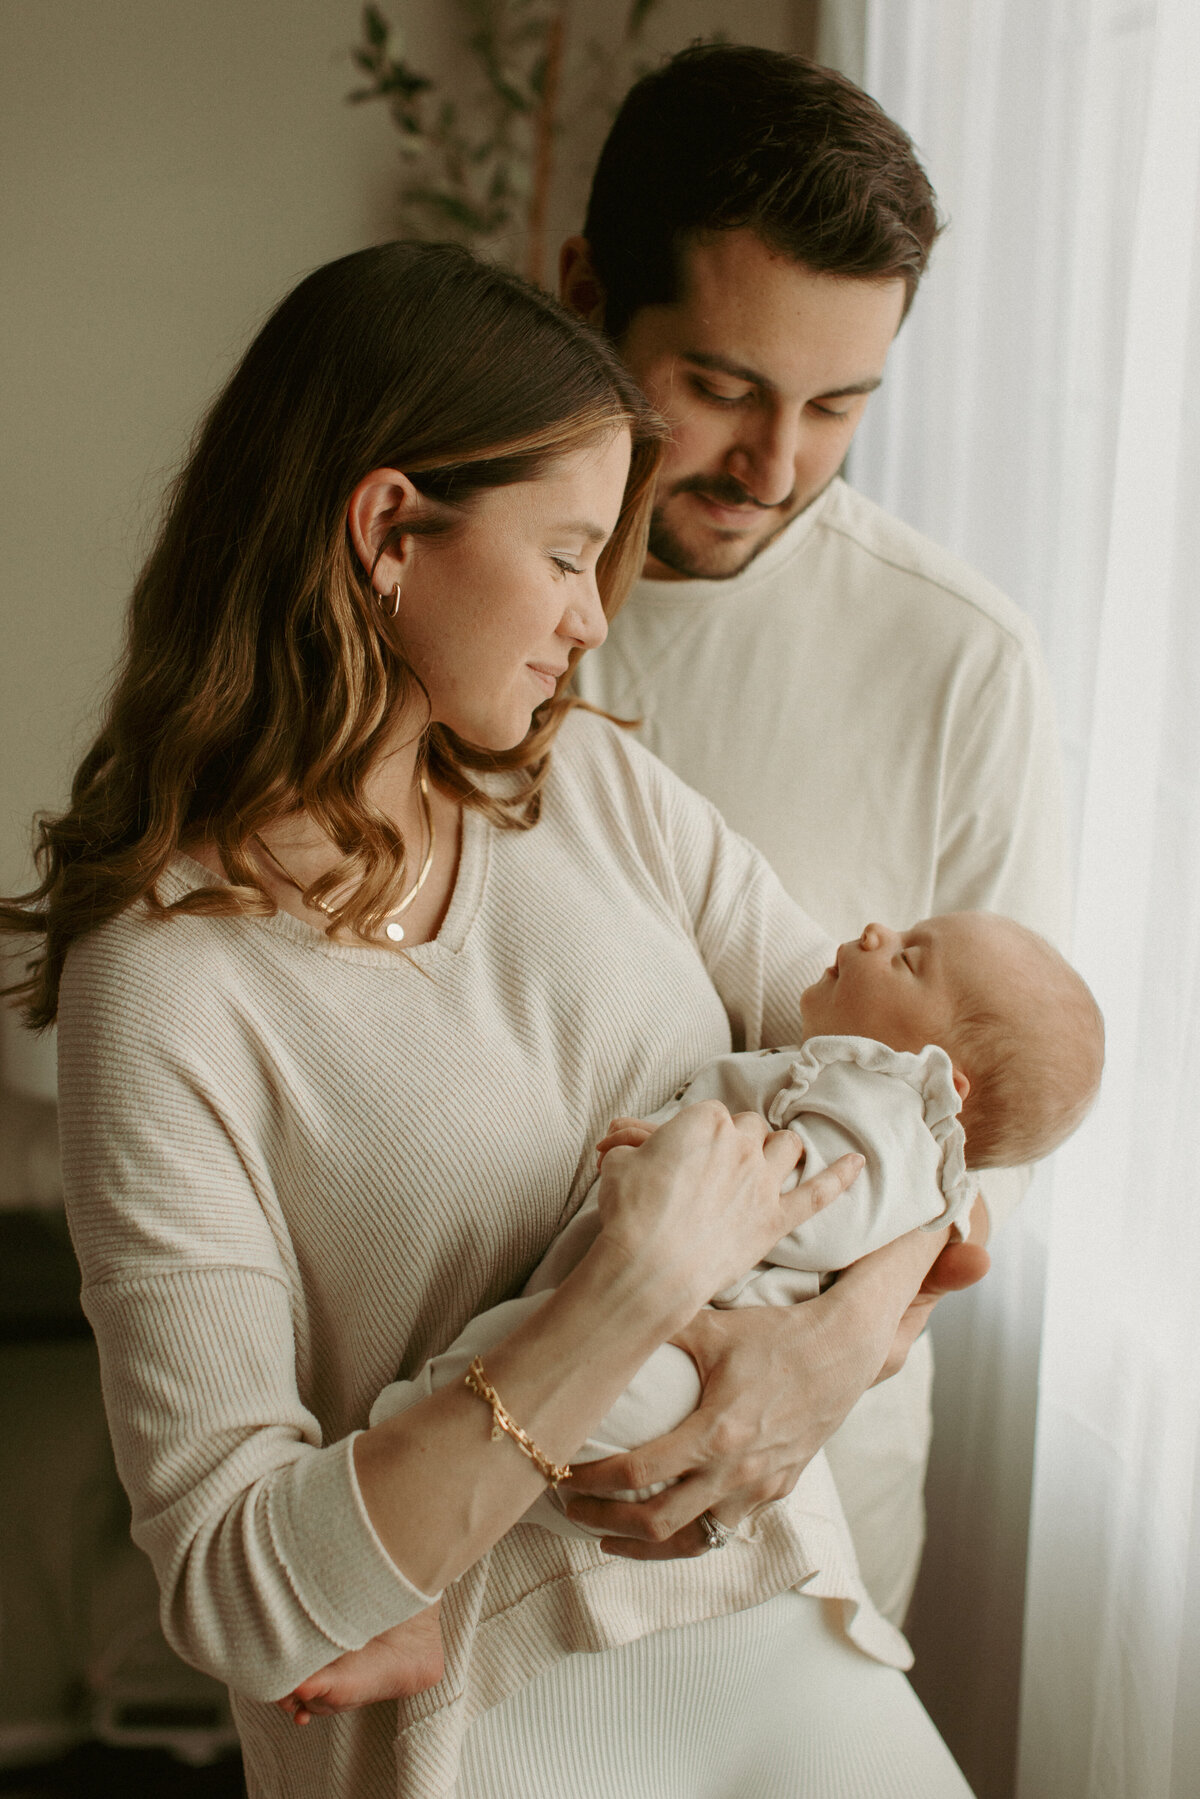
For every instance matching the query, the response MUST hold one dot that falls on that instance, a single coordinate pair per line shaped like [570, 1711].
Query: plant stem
[543, 153]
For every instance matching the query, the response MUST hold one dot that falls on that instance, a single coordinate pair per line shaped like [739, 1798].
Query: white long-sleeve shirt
[876, 718]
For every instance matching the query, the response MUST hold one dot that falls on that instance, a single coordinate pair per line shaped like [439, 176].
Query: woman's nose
[584, 621]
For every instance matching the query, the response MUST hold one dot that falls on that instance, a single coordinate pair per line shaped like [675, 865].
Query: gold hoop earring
[390, 604]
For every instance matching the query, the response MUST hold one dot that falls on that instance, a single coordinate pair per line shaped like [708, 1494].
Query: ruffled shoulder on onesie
[929, 1074]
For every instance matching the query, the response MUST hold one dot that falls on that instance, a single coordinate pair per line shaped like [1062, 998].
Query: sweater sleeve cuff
[343, 1576]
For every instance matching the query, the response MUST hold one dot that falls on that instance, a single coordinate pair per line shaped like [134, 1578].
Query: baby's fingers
[623, 1133]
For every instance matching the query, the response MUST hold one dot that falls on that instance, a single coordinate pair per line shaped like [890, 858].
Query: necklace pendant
[394, 931]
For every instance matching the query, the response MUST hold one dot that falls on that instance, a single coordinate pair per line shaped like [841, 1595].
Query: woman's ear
[579, 286]
[381, 503]
[962, 1085]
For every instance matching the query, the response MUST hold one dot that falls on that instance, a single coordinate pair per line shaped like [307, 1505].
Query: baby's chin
[814, 1024]
[810, 1022]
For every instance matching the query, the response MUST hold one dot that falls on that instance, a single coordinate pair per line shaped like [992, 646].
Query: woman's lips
[548, 677]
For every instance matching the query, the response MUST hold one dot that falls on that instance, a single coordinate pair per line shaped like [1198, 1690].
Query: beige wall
[170, 168]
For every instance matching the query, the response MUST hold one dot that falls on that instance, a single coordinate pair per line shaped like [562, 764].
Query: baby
[965, 1041]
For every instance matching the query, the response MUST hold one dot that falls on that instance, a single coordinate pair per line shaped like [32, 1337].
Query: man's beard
[666, 546]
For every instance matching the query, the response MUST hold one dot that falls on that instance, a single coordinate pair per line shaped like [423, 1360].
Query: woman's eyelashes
[565, 565]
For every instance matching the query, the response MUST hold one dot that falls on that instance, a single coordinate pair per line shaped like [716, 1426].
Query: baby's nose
[874, 936]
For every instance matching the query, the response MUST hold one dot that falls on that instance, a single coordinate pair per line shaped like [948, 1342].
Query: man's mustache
[725, 491]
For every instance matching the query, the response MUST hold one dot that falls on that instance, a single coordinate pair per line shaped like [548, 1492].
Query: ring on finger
[716, 1534]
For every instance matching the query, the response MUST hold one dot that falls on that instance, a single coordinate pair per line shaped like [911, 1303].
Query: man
[857, 702]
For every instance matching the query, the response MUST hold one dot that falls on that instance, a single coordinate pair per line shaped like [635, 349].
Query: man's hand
[958, 1266]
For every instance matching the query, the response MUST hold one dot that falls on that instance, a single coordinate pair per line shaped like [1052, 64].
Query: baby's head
[1021, 1028]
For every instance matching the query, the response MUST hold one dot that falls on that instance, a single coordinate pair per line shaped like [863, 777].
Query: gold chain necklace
[392, 931]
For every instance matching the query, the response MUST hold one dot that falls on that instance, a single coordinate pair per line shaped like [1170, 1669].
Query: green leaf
[639, 12]
[375, 27]
[400, 80]
[512, 96]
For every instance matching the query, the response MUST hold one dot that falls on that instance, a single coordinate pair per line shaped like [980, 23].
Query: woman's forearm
[680, 1216]
[439, 1491]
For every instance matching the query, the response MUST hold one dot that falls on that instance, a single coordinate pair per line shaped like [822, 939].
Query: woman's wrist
[636, 1295]
[439, 1490]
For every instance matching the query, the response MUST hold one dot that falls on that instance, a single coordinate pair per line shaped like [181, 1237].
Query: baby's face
[903, 988]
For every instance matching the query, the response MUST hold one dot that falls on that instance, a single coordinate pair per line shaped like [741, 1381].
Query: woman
[350, 976]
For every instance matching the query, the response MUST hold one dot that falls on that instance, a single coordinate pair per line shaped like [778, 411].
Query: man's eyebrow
[866, 386]
[738, 371]
[724, 365]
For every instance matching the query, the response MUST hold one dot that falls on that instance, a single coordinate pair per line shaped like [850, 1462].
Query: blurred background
[170, 172]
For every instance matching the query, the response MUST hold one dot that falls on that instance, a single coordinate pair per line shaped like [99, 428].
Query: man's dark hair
[729, 135]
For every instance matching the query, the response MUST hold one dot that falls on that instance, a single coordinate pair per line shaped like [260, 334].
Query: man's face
[762, 370]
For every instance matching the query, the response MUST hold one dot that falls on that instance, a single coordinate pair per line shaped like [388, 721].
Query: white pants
[771, 1703]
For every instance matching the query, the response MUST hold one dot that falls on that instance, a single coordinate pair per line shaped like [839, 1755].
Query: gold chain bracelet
[503, 1425]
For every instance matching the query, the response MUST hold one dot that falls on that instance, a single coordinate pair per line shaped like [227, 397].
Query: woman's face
[489, 613]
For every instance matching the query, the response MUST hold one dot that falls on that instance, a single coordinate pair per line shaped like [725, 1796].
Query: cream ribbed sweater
[295, 1168]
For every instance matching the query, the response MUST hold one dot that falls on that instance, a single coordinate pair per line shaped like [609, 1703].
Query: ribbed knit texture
[763, 1704]
[295, 1168]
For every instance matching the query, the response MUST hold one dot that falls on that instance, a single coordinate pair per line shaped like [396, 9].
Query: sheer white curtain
[1043, 418]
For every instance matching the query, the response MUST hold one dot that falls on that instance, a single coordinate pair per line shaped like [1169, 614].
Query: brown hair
[729, 135]
[255, 679]
[1033, 1058]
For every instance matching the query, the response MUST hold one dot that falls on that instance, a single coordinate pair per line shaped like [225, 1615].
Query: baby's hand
[624, 1133]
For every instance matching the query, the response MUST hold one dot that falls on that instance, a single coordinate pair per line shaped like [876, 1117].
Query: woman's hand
[776, 1382]
[682, 1215]
[699, 1200]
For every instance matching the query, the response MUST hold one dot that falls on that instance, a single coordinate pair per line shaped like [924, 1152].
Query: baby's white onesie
[898, 1110]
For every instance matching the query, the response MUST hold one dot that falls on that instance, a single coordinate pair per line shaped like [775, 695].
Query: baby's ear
[962, 1085]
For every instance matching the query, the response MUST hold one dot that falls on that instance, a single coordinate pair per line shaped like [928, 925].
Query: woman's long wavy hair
[256, 678]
